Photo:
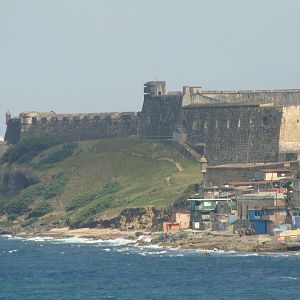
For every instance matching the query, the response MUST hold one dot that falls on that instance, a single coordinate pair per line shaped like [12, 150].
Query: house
[183, 220]
[200, 209]
[169, 226]
[272, 174]
[263, 220]
[246, 202]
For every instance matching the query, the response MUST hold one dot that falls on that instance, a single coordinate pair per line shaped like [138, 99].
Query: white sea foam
[8, 236]
[12, 251]
[127, 246]
[146, 239]
[76, 240]
[118, 242]
[210, 251]
[11, 237]
[39, 239]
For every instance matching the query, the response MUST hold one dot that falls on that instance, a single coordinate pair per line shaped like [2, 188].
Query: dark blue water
[77, 269]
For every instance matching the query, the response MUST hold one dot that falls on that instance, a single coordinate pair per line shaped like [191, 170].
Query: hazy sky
[94, 56]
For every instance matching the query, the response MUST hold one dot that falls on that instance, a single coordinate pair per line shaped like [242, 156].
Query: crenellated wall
[74, 127]
[225, 126]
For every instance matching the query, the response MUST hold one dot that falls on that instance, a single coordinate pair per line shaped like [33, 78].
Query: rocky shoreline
[189, 239]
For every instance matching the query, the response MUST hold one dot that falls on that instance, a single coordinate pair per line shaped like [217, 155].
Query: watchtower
[155, 88]
[7, 116]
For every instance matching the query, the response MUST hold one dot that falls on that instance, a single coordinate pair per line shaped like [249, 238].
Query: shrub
[66, 151]
[22, 202]
[297, 174]
[86, 198]
[55, 187]
[111, 187]
[29, 147]
[82, 200]
[28, 222]
[41, 210]
[181, 202]
[87, 216]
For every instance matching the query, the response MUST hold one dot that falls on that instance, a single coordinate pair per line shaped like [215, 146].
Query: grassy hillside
[80, 182]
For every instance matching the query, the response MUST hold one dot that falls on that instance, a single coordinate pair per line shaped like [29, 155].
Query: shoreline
[189, 239]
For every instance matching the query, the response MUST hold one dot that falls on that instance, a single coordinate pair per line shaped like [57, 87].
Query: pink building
[183, 220]
[169, 226]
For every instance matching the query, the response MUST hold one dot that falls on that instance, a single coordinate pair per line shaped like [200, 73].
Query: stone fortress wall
[227, 126]
[71, 127]
[224, 126]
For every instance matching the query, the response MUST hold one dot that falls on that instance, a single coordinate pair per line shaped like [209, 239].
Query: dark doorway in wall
[200, 148]
[290, 156]
[264, 121]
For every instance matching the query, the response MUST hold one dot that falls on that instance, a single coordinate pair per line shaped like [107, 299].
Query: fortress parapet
[226, 126]
[72, 127]
[243, 126]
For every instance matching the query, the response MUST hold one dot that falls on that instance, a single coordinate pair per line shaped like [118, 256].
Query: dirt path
[177, 164]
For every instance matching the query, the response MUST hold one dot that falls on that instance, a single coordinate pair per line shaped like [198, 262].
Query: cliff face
[16, 178]
[140, 218]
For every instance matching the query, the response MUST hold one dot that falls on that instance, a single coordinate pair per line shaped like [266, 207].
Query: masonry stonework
[224, 126]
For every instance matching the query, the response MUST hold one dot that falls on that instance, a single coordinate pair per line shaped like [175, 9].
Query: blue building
[259, 221]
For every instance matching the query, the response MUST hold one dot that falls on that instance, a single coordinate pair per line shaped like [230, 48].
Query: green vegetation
[91, 204]
[46, 190]
[86, 217]
[66, 151]
[297, 174]
[86, 198]
[55, 187]
[21, 203]
[29, 222]
[29, 147]
[102, 177]
[41, 210]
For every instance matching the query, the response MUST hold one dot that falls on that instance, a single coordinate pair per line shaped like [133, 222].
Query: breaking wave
[129, 246]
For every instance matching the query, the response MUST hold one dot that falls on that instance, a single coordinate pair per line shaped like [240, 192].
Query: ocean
[77, 268]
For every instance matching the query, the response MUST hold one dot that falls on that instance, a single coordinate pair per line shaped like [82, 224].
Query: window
[264, 121]
[216, 125]
[205, 124]
[228, 124]
[239, 123]
[200, 149]
[194, 126]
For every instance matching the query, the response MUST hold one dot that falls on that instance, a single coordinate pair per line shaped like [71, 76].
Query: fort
[227, 127]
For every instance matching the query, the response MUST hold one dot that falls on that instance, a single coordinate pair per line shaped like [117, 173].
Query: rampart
[232, 134]
[72, 127]
[225, 126]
